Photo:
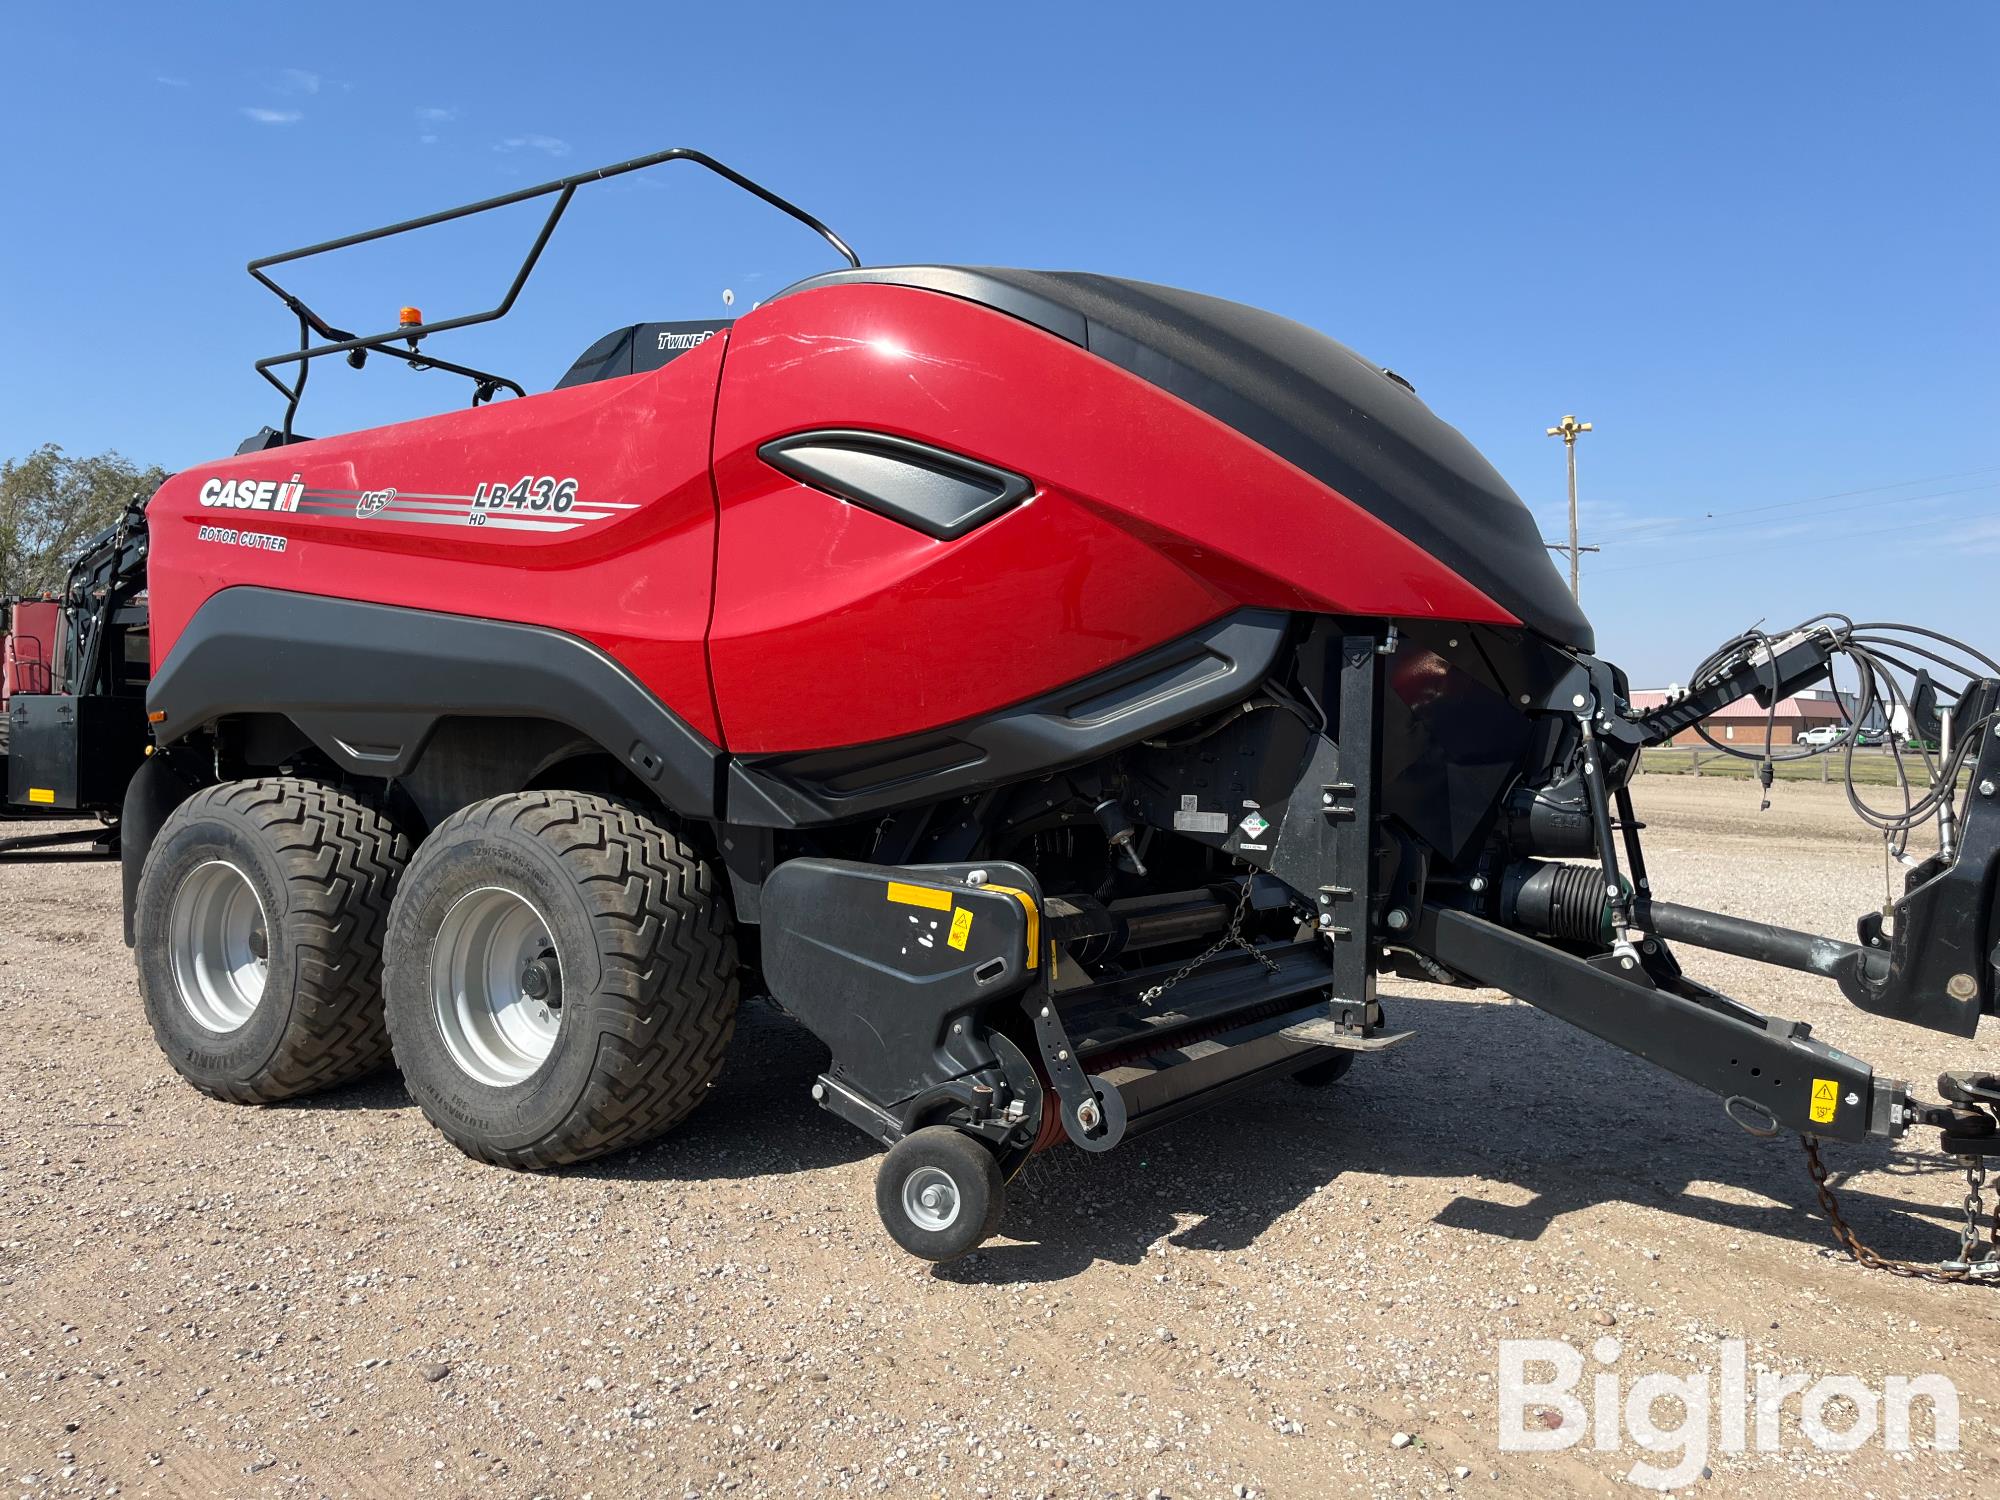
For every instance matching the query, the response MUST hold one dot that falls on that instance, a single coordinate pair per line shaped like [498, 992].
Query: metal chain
[1968, 1234]
[1232, 936]
[1961, 1270]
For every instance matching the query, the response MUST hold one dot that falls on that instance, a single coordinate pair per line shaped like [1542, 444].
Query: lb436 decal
[528, 493]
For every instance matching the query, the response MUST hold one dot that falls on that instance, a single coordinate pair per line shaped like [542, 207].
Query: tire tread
[666, 945]
[341, 860]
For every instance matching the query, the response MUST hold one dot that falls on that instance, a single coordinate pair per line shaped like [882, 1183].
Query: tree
[50, 502]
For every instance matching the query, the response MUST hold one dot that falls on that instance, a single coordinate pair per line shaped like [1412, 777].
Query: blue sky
[1753, 243]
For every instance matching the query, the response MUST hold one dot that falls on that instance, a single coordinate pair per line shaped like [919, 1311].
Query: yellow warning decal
[961, 928]
[1825, 1099]
[1034, 911]
[41, 794]
[919, 895]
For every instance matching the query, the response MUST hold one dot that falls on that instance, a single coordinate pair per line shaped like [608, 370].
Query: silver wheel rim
[220, 946]
[496, 1030]
[930, 1199]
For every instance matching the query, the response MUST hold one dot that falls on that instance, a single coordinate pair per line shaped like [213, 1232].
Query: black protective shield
[881, 963]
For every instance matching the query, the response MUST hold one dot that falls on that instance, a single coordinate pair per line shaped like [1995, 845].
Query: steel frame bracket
[1940, 972]
[1092, 1116]
[1347, 827]
[1772, 1066]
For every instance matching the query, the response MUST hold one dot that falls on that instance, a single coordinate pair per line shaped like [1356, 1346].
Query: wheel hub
[542, 980]
[931, 1199]
[496, 986]
[218, 946]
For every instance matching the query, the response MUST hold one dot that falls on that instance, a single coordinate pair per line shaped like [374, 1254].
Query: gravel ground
[1302, 1294]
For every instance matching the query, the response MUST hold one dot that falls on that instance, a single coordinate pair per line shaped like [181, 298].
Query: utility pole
[1568, 430]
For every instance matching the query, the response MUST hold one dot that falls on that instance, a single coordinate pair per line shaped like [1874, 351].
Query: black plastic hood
[1312, 401]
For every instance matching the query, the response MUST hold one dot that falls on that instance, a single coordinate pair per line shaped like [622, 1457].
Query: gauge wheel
[940, 1193]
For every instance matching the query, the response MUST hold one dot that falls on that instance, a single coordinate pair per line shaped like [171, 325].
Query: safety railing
[402, 342]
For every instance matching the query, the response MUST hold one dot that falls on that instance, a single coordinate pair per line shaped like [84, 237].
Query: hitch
[1968, 1129]
[1967, 1122]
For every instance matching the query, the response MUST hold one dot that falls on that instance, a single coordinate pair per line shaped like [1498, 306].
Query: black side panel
[878, 962]
[66, 752]
[264, 439]
[368, 682]
[941, 494]
[1211, 669]
[1349, 423]
[635, 350]
[1453, 741]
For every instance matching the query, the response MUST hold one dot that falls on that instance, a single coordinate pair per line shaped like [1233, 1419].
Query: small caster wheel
[940, 1193]
[1327, 1071]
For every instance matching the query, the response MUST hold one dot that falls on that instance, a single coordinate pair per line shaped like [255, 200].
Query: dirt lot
[327, 1299]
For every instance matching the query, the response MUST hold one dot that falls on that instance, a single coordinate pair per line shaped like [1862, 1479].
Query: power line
[1831, 510]
[1739, 553]
[1743, 510]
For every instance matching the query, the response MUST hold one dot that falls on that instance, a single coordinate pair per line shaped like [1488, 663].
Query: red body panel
[835, 626]
[28, 649]
[831, 625]
[633, 578]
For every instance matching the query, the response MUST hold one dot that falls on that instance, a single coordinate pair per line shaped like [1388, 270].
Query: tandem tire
[940, 1193]
[258, 928]
[561, 980]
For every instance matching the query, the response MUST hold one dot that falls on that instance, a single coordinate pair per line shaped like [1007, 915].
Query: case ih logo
[253, 494]
[532, 503]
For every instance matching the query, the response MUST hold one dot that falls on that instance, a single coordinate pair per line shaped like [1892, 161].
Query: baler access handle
[407, 336]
